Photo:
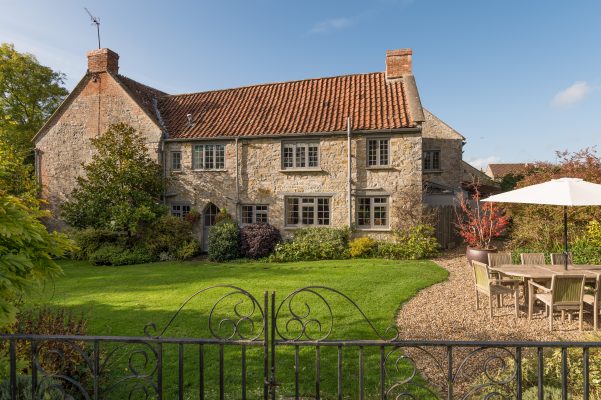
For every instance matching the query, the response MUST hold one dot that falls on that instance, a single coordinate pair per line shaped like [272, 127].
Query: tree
[29, 94]
[17, 177]
[540, 227]
[122, 185]
[27, 252]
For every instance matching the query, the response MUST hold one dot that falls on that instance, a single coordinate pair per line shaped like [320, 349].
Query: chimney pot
[103, 60]
[398, 63]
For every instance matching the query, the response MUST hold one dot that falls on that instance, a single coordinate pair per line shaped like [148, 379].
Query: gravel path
[447, 311]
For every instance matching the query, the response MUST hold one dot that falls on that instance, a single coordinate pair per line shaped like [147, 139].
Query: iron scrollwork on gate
[98, 367]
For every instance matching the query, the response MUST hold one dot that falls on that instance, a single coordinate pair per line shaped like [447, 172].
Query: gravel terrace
[447, 311]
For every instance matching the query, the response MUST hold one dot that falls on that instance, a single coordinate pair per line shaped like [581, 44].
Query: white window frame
[255, 211]
[172, 159]
[179, 209]
[209, 152]
[304, 204]
[378, 160]
[372, 212]
[295, 146]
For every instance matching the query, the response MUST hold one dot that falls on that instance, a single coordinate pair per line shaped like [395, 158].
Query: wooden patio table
[538, 272]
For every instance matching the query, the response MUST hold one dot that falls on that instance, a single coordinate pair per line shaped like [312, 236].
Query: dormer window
[300, 155]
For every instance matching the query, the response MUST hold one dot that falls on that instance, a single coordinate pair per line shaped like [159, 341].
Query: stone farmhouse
[335, 151]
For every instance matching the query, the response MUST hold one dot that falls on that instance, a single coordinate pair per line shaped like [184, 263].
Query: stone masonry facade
[253, 172]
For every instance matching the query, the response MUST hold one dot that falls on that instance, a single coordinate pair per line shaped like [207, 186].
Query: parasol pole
[565, 237]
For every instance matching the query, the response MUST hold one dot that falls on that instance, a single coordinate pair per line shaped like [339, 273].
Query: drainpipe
[350, 196]
[164, 160]
[237, 184]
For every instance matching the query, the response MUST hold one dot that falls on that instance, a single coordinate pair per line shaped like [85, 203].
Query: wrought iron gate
[285, 349]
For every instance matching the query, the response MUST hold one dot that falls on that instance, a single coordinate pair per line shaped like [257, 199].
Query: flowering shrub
[363, 247]
[479, 223]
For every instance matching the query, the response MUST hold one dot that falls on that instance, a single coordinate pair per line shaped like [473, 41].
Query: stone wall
[439, 136]
[263, 181]
[65, 144]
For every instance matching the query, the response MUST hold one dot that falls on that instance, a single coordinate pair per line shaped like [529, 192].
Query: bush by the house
[89, 240]
[415, 243]
[224, 241]
[258, 240]
[311, 244]
[363, 247]
[169, 238]
[118, 254]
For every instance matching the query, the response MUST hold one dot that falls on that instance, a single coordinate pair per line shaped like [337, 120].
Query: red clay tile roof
[500, 170]
[306, 106]
[145, 96]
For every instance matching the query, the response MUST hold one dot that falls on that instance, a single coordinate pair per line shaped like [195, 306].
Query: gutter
[416, 129]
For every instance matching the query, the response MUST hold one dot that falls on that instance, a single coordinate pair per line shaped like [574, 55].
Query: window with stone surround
[300, 155]
[431, 160]
[372, 212]
[307, 211]
[378, 152]
[208, 157]
[179, 210]
[254, 213]
[176, 161]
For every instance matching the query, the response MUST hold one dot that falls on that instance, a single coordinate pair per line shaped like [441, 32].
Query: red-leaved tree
[478, 223]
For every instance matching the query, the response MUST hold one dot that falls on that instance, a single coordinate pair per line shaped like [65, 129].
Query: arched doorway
[209, 215]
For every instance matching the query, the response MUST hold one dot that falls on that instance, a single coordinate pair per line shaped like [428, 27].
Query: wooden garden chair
[565, 294]
[559, 258]
[492, 287]
[503, 258]
[594, 300]
[533, 258]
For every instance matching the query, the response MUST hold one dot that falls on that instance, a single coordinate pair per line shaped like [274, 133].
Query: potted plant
[478, 224]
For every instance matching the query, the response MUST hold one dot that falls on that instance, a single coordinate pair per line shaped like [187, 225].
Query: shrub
[311, 244]
[49, 321]
[415, 243]
[170, 237]
[89, 240]
[258, 240]
[224, 241]
[187, 250]
[115, 254]
[362, 247]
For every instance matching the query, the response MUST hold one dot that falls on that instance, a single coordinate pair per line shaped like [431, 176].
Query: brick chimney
[398, 63]
[103, 60]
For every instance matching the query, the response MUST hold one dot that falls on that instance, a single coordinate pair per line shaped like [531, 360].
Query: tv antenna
[95, 21]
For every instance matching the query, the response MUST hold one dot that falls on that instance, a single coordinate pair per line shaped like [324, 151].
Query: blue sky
[518, 78]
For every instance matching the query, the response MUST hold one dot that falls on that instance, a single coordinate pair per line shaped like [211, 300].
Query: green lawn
[122, 300]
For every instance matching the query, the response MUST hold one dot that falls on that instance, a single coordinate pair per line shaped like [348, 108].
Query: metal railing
[289, 349]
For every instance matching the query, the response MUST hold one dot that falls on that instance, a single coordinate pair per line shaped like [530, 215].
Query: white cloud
[571, 95]
[482, 163]
[332, 24]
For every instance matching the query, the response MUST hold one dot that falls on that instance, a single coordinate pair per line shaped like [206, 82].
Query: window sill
[292, 228]
[432, 171]
[209, 170]
[374, 229]
[284, 170]
[380, 168]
